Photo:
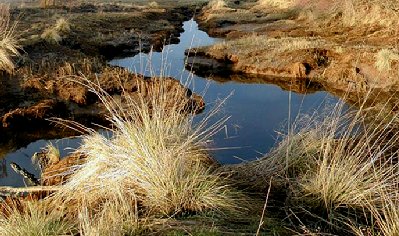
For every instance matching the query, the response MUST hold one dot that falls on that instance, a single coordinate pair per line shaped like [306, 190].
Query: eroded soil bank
[48, 81]
[304, 44]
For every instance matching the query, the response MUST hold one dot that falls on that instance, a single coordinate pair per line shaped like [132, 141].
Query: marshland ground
[336, 174]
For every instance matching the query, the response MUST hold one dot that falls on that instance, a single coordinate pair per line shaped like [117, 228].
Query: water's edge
[257, 110]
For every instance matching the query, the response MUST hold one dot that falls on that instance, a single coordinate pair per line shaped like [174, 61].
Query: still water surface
[256, 110]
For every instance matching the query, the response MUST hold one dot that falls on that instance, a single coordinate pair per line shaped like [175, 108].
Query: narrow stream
[257, 110]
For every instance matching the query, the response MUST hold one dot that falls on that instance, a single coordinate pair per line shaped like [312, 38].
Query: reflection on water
[257, 109]
[23, 156]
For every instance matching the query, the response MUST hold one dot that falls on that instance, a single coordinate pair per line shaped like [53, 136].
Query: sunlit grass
[156, 159]
[8, 43]
[34, 218]
[56, 33]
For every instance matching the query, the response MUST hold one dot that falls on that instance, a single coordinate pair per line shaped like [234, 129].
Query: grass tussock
[337, 168]
[153, 4]
[35, 218]
[8, 43]
[384, 59]
[56, 33]
[156, 158]
[216, 5]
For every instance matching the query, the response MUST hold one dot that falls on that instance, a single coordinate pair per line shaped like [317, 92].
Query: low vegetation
[351, 12]
[385, 58]
[33, 218]
[215, 5]
[155, 157]
[56, 33]
[8, 43]
[54, 3]
[154, 166]
[339, 173]
[276, 3]
[152, 172]
[336, 173]
[342, 46]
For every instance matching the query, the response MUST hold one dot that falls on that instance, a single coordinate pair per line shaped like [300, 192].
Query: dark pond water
[256, 109]
[23, 157]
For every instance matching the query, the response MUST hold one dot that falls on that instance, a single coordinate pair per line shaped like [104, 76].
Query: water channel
[256, 110]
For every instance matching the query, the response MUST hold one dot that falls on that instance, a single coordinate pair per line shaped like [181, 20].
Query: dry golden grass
[350, 12]
[153, 4]
[370, 12]
[35, 219]
[216, 5]
[56, 33]
[341, 163]
[356, 161]
[51, 36]
[8, 43]
[62, 25]
[47, 3]
[276, 3]
[385, 219]
[354, 12]
[116, 216]
[54, 3]
[270, 47]
[384, 59]
[156, 159]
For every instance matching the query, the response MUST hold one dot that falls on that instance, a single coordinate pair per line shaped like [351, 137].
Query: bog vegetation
[8, 42]
[152, 172]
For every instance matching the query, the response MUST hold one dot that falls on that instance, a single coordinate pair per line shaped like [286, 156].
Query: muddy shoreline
[267, 41]
[47, 82]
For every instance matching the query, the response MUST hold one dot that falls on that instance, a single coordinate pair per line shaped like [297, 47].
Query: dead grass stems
[155, 164]
[34, 218]
[337, 166]
[56, 33]
[9, 46]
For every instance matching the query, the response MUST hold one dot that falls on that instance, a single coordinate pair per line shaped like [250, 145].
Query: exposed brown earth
[296, 44]
[47, 82]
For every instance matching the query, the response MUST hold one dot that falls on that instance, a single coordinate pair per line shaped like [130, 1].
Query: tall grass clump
[8, 43]
[34, 218]
[336, 166]
[155, 163]
[56, 33]
[357, 161]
